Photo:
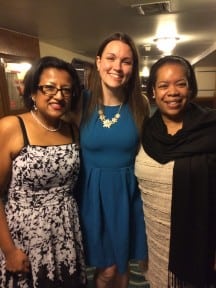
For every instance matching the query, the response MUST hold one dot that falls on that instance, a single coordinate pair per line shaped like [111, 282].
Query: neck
[112, 98]
[41, 123]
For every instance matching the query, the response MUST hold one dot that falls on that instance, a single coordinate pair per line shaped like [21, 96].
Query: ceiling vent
[146, 9]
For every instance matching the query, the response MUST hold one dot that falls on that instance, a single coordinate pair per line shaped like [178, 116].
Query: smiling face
[115, 65]
[171, 91]
[53, 105]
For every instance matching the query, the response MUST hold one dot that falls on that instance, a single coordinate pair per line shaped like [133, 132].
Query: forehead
[118, 47]
[54, 74]
[171, 70]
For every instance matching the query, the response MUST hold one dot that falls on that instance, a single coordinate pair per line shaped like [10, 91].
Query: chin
[115, 85]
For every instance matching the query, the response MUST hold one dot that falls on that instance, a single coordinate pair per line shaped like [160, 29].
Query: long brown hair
[133, 94]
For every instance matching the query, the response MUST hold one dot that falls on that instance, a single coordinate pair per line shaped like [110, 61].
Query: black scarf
[193, 210]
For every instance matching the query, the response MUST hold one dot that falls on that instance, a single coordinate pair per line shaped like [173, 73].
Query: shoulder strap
[22, 125]
[75, 133]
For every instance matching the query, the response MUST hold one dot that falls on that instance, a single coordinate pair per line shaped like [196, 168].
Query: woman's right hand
[17, 261]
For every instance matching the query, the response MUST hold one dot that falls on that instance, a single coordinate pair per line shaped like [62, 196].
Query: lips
[56, 106]
[116, 76]
[173, 104]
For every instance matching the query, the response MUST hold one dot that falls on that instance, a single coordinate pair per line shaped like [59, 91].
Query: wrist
[7, 251]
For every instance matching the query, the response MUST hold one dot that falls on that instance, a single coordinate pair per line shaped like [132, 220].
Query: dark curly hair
[32, 78]
[172, 59]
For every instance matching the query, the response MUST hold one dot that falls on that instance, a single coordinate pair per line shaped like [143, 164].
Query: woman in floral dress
[40, 240]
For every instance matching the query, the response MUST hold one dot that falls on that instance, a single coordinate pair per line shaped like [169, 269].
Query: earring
[34, 105]
[153, 96]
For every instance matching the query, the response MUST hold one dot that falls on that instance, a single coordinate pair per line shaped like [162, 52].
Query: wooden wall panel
[14, 47]
[17, 44]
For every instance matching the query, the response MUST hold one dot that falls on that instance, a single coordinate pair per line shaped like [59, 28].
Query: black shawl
[193, 210]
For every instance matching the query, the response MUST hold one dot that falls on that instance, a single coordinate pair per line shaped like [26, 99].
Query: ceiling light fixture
[147, 47]
[145, 71]
[166, 44]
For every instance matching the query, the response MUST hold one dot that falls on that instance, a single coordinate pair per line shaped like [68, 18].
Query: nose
[59, 94]
[173, 90]
[117, 64]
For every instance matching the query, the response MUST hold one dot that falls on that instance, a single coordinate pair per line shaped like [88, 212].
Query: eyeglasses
[51, 90]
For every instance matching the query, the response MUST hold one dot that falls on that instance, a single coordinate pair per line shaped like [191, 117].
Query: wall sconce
[166, 44]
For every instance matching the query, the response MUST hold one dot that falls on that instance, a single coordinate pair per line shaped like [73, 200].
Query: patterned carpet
[136, 278]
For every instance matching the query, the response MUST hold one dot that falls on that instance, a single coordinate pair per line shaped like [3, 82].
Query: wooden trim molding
[17, 44]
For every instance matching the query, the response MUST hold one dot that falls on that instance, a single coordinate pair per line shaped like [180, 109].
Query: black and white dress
[43, 218]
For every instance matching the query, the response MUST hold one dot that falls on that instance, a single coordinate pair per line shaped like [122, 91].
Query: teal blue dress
[111, 205]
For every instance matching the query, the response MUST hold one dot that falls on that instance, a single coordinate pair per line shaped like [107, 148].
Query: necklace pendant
[107, 123]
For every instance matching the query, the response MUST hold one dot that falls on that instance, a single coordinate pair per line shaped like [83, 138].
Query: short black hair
[172, 59]
[32, 78]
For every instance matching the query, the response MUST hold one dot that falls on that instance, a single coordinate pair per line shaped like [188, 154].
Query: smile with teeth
[116, 76]
[173, 103]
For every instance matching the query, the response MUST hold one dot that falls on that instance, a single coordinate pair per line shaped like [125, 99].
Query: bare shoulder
[11, 137]
[8, 124]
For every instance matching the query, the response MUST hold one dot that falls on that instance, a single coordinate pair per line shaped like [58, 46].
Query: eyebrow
[54, 84]
[167, 81]
[113, 54]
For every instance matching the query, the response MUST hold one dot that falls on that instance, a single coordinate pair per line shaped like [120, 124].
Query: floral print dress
[43, 219]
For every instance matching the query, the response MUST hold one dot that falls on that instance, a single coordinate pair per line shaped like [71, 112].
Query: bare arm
[16, 260]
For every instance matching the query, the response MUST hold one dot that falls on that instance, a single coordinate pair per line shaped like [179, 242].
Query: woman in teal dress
[111, 207]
